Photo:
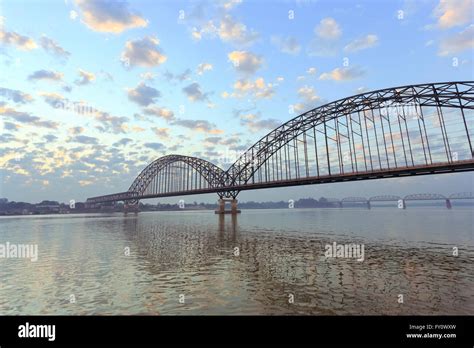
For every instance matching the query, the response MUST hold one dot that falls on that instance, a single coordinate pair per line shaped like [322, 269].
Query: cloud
[328, 29]
[245, 62]
[342, 74]
[110, 123]
[199, 126]
[194, 92]
[308, 94]
[161, 132]
[230, 4]
[164, 113]
[55, 100]
[46, 75]
[22, 42]
[235, 32]
[50, 138]
[362, 43]
[226, 28]
[155, 146]
[451, 13]
[24, 117]
[143, 52]
[258, 89]
[254, 123]
[122, 142]
[84, 78]
[143, 95]
[76, 130]
[185, 75]
[83, 139]
[107, 122]
[147, 76]
[456, 43]
[203, 67]
[287, 45]
[213, 140]
[17, 96]
[325, 42]
[109, 16]
[311, 71]
[53, 47]
[309, 98]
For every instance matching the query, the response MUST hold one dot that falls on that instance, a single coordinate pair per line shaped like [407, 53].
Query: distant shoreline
[241, 206]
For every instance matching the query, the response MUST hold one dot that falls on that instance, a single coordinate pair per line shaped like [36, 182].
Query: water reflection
[193, 254]
[273, 264]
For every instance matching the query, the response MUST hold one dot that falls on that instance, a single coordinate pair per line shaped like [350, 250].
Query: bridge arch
[385, 198]
[175, 174]
[424, 197]
[348, 126]
[462, 195]
[400, 131]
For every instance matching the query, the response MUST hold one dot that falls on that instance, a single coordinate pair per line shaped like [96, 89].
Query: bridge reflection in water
[394, 132]
[186, 254]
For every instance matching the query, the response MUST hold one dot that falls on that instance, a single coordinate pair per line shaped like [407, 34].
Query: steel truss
[408, 130]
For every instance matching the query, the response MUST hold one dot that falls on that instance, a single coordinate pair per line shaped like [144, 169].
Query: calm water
[407, 252]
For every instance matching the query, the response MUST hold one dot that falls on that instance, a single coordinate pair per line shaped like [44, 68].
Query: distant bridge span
[393, 132]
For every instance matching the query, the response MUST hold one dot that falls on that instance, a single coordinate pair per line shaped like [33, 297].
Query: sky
[91, 91]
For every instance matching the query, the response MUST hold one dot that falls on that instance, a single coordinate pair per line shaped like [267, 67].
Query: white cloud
[85, 78]
[203, 67]
[342, 74]
[20, 41]
[53, 47]
[308, 94]
[245, 62]
[109, 16]
[328, 29]
[46, 75]
[461, 41]
[194, 92]
[362, 43]
[164, 113]
[143, 95]
[325, 42]
[258, 89]
[288, 45]
[143, 52]
[254, 123]
[199, 126]
[235, 32]
[452, 13]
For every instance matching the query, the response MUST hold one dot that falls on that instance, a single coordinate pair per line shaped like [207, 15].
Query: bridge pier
[403, 203]
[222, 203]
[448, 204]
[368, 205]
[131, 208]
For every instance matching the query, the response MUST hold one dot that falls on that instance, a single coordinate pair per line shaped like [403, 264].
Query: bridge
[393, 132]
[401, 201]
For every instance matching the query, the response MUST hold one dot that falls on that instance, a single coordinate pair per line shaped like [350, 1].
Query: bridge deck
[439, 168]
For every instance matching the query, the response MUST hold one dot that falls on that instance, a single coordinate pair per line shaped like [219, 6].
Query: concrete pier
[131, 208]
[222, 203]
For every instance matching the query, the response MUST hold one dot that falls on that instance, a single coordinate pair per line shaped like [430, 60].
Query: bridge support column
[233, 206]
[368, 205]
[448, 204]
[131, 208]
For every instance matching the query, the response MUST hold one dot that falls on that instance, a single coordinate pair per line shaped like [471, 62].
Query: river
[416, 261]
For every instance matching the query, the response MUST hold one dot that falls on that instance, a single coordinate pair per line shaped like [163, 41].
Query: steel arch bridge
[393, 132]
